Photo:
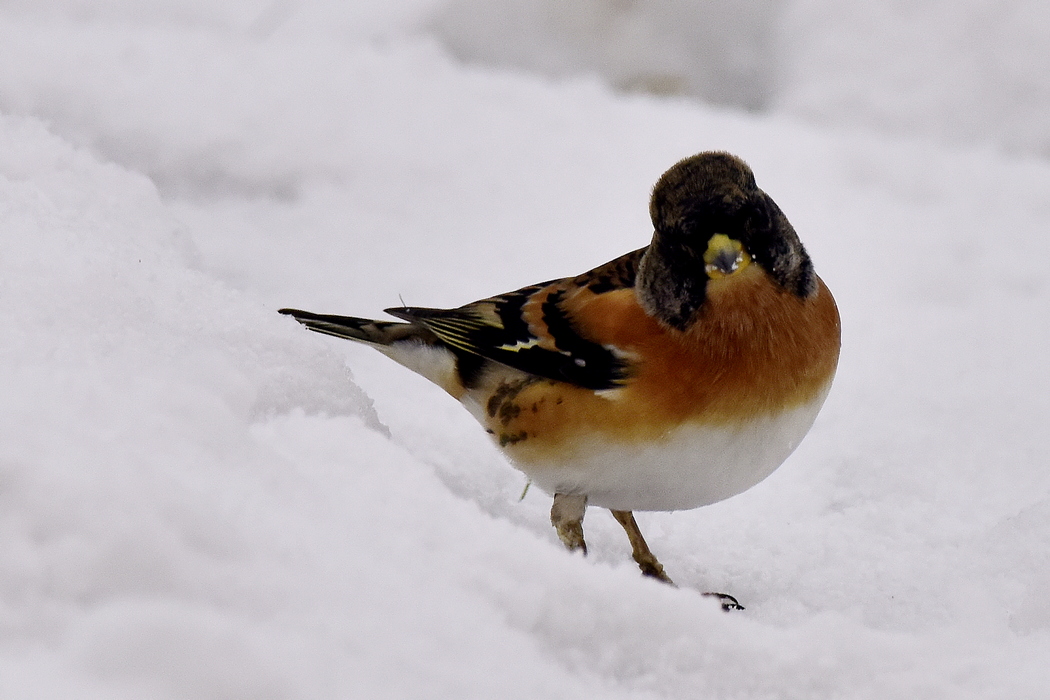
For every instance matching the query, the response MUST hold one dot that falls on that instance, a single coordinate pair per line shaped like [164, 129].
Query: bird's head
[712, 223]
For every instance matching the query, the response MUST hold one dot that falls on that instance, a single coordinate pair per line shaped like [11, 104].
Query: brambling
[670, 378]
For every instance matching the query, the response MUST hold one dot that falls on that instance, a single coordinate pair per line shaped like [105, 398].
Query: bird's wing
[532, 330]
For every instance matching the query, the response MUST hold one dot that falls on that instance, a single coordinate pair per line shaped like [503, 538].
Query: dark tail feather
[364, 330]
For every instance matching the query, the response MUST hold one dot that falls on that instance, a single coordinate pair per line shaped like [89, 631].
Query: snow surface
[957, 71]
[198, 499]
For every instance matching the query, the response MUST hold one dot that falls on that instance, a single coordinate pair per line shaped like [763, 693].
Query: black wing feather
[496, 329]
[576, 360]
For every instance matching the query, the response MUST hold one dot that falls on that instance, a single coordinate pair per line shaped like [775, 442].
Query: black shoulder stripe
[586, 363]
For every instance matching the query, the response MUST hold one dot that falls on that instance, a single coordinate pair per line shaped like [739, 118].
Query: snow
[200, 499]
[720, 51]
[956, 72]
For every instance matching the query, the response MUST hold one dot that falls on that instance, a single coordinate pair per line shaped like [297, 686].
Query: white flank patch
[434, 362]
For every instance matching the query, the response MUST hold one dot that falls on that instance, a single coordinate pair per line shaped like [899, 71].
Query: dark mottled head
[710, 220]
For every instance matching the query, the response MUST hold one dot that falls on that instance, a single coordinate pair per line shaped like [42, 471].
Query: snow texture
[198, 499]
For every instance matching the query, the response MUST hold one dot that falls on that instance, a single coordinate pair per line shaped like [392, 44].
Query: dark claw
[728, 602]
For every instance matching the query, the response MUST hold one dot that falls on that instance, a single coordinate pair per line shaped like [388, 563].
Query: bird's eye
[724, 256]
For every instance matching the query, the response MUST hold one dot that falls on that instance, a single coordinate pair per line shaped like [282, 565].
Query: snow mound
[198, 500]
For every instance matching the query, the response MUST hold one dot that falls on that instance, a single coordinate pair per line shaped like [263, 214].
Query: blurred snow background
[200, 500]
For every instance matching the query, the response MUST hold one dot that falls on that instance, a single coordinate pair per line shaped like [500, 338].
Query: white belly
[690, 467]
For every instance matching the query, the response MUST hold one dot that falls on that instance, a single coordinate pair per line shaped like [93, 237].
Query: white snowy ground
[199, 499]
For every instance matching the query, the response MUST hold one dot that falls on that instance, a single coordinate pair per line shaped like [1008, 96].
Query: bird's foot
[729, 603]
[567, 519]
[653, 569]
[647, 561]
[571, 535]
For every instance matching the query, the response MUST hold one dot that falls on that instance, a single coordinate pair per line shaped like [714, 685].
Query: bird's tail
[365, 330]
[413, 345]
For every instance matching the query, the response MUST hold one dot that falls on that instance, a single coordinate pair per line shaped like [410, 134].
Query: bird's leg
[567, 518]
[647, 562]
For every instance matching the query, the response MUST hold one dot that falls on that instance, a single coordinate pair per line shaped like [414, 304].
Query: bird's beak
[724, 256]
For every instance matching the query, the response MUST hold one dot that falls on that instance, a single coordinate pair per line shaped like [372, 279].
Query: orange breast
[755, 350]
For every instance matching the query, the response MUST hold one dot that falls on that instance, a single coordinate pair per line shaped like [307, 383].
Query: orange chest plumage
[755, 350]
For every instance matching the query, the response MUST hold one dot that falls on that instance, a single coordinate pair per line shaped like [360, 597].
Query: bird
[672, 377]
